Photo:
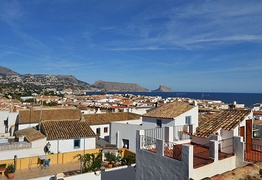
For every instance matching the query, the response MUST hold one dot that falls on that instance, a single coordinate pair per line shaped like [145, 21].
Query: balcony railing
[181, 132]
[148, 143]
[15, 146]
[254, 153]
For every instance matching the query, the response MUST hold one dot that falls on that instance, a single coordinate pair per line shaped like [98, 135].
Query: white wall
[3, 117]
[214, 168]
[101, 126]
[67, 145]
[199, 140]
[155, 166]
[149, 123]
[123, 172]
[37, 149]
[135, 122]
[23, 126]
[13, 116]
[140, 111]
[181, 119]
[119, 131]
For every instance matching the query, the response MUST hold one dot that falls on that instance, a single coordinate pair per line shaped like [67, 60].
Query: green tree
[90, 162]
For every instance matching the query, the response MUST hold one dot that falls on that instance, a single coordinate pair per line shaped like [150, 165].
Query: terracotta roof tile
[170, 110]
[257, 112]
[34, 116]
[67, 129]
[106, 118]
[227, 120]
[30, 134]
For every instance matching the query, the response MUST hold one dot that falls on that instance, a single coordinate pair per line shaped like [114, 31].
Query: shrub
[10, 168]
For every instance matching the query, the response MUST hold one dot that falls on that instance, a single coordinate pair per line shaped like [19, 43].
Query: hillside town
[144, 137]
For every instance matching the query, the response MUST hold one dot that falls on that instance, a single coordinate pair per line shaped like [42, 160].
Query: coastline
[241, 98]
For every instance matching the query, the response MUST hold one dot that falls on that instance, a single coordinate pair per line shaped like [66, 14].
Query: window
[105, 129]
[159, 123]
[125, 143]
[98, 131]
[188, 120]
[76, 143]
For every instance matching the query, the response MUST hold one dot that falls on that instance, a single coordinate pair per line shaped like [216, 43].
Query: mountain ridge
[119, 86]
[51, 82]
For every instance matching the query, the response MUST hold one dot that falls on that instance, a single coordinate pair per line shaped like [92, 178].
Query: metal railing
[157, 133]
[148, 143]
[180, 132]
[253, 152]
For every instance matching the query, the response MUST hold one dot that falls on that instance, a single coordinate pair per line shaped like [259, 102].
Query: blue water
[241, 98]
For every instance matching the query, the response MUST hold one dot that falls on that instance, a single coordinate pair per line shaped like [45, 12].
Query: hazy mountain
[41, 81]
[7, 72]
[48, 82]
[118, 87]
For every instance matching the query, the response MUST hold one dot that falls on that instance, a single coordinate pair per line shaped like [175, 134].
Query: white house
[32, 117]
[218, 145]
[226, 124]
[100, 123]
[183, 115]
[68, 135]
[30, 142]
[7, 122]
[176, 113]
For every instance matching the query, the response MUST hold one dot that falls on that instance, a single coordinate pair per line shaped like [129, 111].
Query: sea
[241, 98]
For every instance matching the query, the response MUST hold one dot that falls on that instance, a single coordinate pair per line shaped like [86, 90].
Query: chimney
[194, 103]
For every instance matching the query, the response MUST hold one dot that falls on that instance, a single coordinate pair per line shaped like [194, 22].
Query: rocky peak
[163, 89]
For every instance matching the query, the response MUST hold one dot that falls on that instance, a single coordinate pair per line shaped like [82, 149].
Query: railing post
[160, 147]
[169, 134]
[187, 158]
[117, 139]
[192, 128]
[238, 149]
[213, 150]
[139, 137]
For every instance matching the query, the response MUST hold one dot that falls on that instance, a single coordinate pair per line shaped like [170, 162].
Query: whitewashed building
[182, 115]
[101, 123]
[7, 122]
[218, 145]
[68, 135]
[30, 142]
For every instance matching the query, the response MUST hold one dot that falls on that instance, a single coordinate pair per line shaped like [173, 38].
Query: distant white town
[126, 136]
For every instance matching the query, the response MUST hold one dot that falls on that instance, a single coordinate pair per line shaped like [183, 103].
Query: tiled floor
[48, 171]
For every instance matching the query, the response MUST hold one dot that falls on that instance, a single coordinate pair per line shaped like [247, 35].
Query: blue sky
[197, 45]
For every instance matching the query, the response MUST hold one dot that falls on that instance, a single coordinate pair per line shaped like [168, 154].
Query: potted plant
[111, 158]
[10, 171]
[128, 160]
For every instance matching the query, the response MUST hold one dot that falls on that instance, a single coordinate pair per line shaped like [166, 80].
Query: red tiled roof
[34, 116]
[257, 112]
[227, 120]
[170, 110]
[30, 134]
[67, 129]
[106, 118]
